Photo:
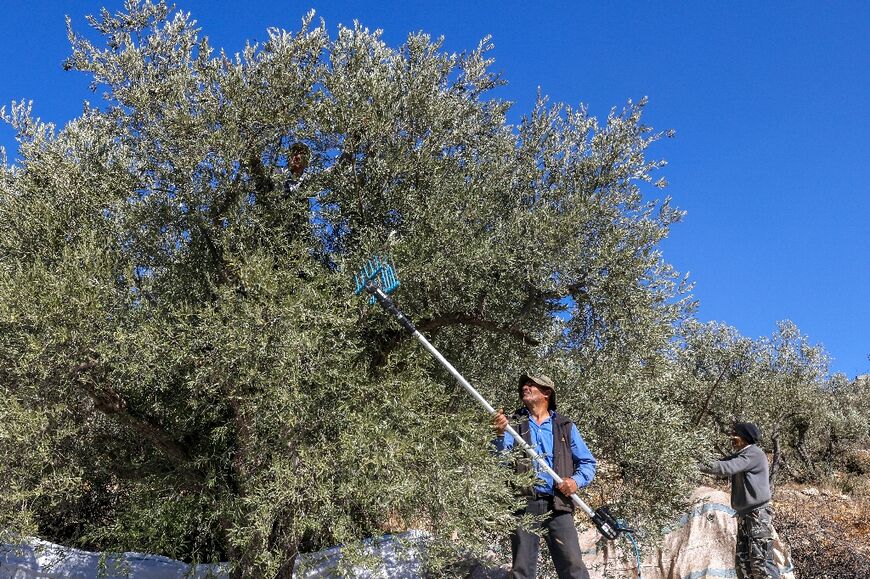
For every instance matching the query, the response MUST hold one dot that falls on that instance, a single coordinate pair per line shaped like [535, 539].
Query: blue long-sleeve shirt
[541, 436]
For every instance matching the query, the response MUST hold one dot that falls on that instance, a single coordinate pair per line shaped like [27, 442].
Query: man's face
[738, 443]
[298, 162]
[533, 394]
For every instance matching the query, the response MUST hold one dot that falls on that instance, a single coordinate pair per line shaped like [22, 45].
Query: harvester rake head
[378, 272]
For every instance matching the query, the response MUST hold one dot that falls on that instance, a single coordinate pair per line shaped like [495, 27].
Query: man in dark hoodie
[557, 439]
[750, 497]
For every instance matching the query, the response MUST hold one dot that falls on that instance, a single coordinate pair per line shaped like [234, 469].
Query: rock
[811, 492]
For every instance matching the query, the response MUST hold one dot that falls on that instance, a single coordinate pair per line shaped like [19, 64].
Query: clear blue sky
[769, 101]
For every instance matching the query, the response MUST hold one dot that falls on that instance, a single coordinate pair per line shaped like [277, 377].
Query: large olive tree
[184, 367]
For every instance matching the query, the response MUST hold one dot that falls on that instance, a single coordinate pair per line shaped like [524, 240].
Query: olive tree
[779, 382]
[184, 367]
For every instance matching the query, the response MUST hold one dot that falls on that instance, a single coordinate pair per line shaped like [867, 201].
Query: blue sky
[768, 101]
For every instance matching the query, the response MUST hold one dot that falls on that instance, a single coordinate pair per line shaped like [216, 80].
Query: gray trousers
[754, 556]
[561, 537]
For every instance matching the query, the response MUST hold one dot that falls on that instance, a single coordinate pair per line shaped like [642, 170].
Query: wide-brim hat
[541, 380]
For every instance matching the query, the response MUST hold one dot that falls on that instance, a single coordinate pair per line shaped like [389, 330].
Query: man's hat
[541, 380]
[747, 431]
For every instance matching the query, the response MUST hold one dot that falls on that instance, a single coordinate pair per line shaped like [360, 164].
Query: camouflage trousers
[754, 558]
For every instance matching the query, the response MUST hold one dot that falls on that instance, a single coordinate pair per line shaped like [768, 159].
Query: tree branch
[706, 405]
[217, 255]
[231, 196]
[462, 319]
[776, 462]
[262, 183]
[91, 375]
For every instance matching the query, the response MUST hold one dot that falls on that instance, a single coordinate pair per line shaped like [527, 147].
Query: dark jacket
[748, 470]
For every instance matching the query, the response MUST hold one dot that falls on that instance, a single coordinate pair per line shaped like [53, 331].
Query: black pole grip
[387, 303]
[606, 524]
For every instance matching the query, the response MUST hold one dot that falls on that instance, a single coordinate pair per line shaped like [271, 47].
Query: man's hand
[567, 487]
[499, 422]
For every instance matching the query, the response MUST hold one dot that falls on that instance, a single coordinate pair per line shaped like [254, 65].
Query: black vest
[563, 461]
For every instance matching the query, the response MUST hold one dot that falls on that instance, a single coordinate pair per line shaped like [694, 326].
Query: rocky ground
[828, 532]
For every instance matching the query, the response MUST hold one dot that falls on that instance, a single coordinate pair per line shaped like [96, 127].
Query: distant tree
[842, 440]
[184, 368]
[780, 382]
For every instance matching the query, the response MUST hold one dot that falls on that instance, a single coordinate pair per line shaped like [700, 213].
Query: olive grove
[186, 371]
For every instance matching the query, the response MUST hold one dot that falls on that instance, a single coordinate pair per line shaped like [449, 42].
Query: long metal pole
[388, 305]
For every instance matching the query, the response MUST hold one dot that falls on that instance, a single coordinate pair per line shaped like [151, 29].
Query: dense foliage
[810, 420]
[184, 367]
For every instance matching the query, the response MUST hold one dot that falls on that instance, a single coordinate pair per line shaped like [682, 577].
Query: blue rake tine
[379, 272]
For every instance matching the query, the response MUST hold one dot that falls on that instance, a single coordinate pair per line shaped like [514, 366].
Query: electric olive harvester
[378, 278]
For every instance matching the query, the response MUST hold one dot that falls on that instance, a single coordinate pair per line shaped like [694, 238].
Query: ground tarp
[390, 557]
[43, 560]
[699, 546]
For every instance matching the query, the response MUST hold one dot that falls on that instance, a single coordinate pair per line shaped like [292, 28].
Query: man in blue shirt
[557, 439]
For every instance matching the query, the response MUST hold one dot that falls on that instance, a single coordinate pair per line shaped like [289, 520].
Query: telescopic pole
[606, 527]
